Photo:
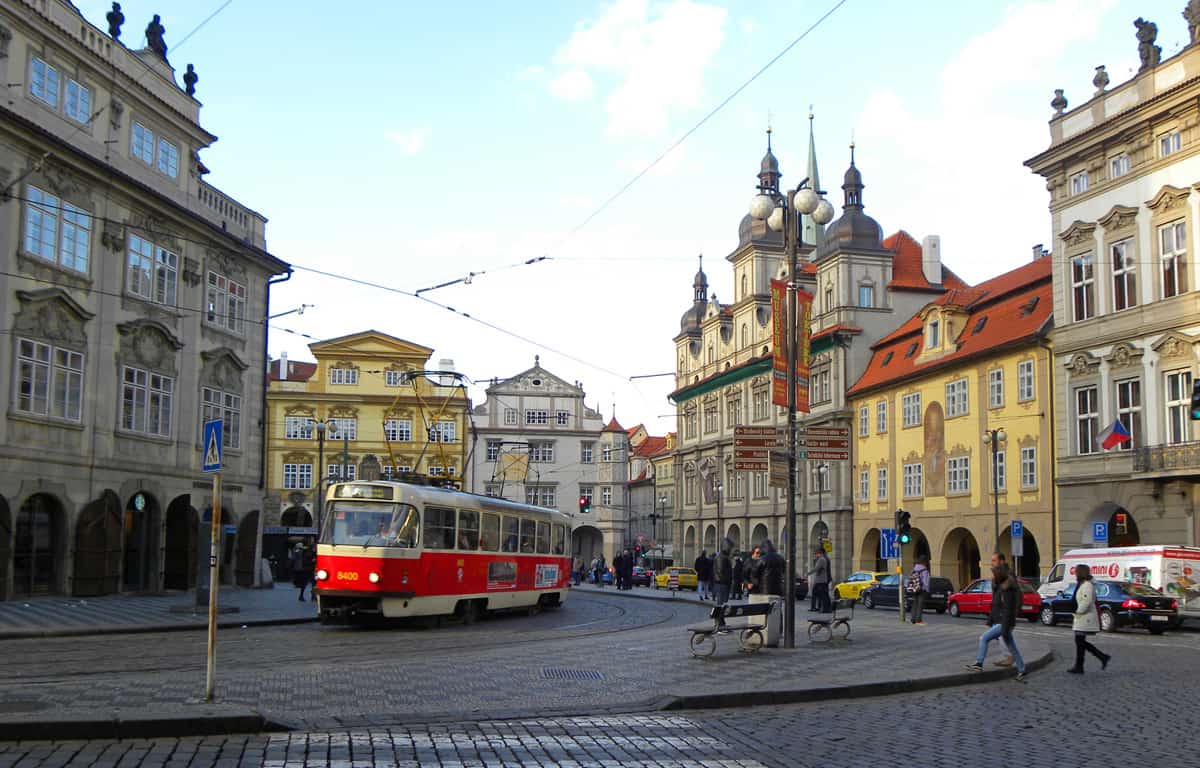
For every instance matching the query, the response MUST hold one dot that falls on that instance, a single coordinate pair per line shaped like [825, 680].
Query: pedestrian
[619, 570]
[767, 576]
[723, 574]
[918, 587]
[627, 570]
[1087, 620]
[703, 568]
[739, 576]
[601, 569]
[304, 563]
[577, 569]
[1006, 606]
[752, 575]
[818, 578]
[998, 558]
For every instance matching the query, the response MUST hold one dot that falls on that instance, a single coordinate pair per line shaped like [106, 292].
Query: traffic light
[1122, 520]
[637, 551]
[903, 526]
[1196, 399]
[585, 505]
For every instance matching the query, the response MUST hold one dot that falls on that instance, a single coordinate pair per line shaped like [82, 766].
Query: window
[828, 299]
[510, 416]
[437, 470]
[958, 474]
[50, 380]
[541, 495]
[866, 295]
[78, 105]
[1087, 418]
[146, 402]
[537, 416]
[689, 423]
[142, 143]
[734, 483]
[913, 476]
[821, 478]
[1173, 241]
[1169, 144]
[819, 384]
[439, 528]
[144, 146]
[956, 398]
[911, 407]
[759, 485]
[864, 421]
[562, 418]
[1083, 293]
[864, 484]
[528, 534]
[1000, 468]
[1079, 183]
[606, 453]
[543, 538]
[153, 271]
[1118, 166]
[44, 82]
[333, 472]
[881, 417]
[1024, 381]
[1124, 276]
[710, 417]
[493, 450]
[226, 303]
[298, 427]
[935, 334]
[733, 411]
[443, 432]
[468, 529]
[492, 489]
[996, 388]
[1179, 395]
[343, 376]
[759, 404]
[226, 406]
[57, 231]
[347, 429]
[1029, 467]
[398, 430]
[489, 531]
[689, 489]
[606, 495]
[881, 483]
[587, 452]
[512, 533]
[1129, 411]
[393, 378]
[541, 451]
[168, 158]
[297, 476]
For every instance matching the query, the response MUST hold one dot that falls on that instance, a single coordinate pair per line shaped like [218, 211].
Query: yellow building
[383, 412]
[963, 388]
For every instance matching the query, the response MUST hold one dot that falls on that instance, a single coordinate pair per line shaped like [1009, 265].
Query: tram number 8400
[347, 575]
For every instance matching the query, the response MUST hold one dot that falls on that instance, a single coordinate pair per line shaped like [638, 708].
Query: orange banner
[804, 301]
[779, 345]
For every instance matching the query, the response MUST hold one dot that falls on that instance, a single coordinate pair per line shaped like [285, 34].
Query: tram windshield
[371, 525]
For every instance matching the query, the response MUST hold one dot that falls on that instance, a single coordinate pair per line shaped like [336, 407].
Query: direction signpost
[752, 447]
[1017, 533]
[213, 442]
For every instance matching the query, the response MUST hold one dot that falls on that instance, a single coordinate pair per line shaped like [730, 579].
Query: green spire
[813, 232]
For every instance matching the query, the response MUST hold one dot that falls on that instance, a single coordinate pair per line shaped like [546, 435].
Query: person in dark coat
[619, 570]
[772, 566]
[704, 575]
[627, 570]
[739, 577]
[1006, 607]
[304, 564]
[722, 575]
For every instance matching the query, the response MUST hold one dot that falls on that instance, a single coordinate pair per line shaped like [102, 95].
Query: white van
[1175, 571]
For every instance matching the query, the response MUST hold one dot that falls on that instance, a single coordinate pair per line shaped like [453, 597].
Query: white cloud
[409, 142]
[655, 59]
[572, 85]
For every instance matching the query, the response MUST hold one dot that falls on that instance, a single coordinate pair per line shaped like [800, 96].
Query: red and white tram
[391, 549]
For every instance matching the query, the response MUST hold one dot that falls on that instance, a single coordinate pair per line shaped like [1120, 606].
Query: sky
[408, 144]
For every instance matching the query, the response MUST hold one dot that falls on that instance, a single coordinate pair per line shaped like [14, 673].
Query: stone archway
[1028, 565]
[919, 545]
[140, 544]
[710, 538]
[98, 546]
[5, 546]
[587, 542]
[959, 558]
[296, 517]
[38, 546]
[179, 554]
[734, 534]
[868, 554]
[689, 546]
[247, 550]
[759, 535]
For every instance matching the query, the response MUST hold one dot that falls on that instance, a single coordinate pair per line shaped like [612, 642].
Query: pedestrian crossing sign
[213, 432]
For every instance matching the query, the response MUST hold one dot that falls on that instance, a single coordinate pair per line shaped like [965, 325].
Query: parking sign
[1100, 533]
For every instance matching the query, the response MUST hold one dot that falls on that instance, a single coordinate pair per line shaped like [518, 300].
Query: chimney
[1038, 252]
[446, 364]
[931, 259]
[283, 366]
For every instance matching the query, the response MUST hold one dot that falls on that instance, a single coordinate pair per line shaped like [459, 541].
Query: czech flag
[1114, 436]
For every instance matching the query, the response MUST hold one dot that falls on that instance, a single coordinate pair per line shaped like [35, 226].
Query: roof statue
[1100, 80]
[189, 80]
[1147, 33]
[1191, 14]
[115, 20]
[1059, 102]
[154, 37]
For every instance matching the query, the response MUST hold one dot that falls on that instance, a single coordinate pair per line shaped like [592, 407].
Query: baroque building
[1121, 170]
[135, 296]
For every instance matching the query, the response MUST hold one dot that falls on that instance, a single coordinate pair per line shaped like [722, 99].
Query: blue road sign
[1100, 532]
[1018, 529]
[213, 434]
[888, 548]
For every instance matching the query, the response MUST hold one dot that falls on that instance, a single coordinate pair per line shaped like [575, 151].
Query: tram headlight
[322, 574]
[373, 577]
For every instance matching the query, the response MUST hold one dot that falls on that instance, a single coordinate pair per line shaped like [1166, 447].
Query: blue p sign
[1099, 532]
[1018, 529]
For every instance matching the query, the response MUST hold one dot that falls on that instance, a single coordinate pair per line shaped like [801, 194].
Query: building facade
[137, 296]
[1121, 170]
[954, 425]
[648, 522]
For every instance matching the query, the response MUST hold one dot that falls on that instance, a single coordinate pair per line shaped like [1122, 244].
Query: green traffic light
[905, 538]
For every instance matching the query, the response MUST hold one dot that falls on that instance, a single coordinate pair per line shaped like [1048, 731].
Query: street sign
[823, 443]
[1017, 532]
[778, 469]
[824, 455]
[752, 465]
[889, 549]
[745, 431]
[213, 433]
[836, 433]
[1100, 533]
[743, 454]
[1018, 529]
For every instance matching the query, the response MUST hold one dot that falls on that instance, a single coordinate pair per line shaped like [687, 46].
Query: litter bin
[773, 621]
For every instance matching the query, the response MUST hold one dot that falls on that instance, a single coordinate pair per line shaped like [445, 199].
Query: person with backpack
[1087, 620]
[918, 588]
[722, 575]
[1006, 606]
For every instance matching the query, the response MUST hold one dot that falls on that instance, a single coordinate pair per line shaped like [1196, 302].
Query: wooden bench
[750, 636]
[824, 627]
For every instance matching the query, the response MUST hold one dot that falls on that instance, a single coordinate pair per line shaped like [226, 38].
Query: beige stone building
[1122, 171]
[134, 298]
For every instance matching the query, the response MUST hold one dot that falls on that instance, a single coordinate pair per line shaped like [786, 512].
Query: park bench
[824, 627]
[739, 619]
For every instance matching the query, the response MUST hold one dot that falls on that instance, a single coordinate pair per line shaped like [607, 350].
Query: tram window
[468, 529]
[489, 532]
[512, 530]
[371, 524]
[528, 529]
[543, 538]
[439, 528]
[560, 536]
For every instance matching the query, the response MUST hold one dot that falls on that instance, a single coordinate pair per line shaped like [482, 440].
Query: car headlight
[373, 577]
[322, 574]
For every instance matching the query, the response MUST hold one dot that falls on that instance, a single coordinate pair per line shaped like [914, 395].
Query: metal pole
[900, 569]
[320, 478]
[345, 456]
[793, 326]
[995, 490]
[213, 588]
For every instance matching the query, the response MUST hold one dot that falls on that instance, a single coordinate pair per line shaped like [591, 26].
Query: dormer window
[934, 333]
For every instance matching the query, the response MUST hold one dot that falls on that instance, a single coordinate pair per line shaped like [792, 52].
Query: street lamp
[994, 437]
[822, 473]
[662, 502]
[717, 541]
[321, 426]
[782, 213]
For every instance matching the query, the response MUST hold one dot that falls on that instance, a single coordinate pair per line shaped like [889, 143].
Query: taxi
[852, 587]
[687, 578]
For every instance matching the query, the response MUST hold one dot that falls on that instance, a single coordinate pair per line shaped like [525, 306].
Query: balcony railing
[1166, 458]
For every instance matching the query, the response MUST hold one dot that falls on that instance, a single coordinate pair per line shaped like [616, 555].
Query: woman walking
[1087, 620]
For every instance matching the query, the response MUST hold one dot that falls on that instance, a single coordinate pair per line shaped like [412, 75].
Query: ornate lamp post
[321, 426]
[994, 437]
[784, 215]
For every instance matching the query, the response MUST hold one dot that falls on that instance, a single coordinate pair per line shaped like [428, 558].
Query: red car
[977, 598]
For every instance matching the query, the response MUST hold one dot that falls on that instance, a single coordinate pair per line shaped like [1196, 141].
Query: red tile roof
[297, 370]
[651, 446]
[1009, 309]
[853, 330]
[613, 426]
[907, 273]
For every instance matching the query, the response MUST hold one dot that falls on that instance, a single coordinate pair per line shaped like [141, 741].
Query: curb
[139, 727]
[134, 629]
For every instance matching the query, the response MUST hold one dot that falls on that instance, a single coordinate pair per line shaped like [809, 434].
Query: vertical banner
[804, 301]
[779, 342]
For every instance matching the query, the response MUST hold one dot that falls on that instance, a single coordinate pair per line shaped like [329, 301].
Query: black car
[887, 593]
[1121, 604]
[641, 576]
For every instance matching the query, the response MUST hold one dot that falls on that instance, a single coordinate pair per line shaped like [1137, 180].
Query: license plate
[1159, 618]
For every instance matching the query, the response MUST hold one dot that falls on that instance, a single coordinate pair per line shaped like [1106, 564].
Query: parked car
[641, 576]
[887, 593]
[687, 578]
[853, 586]
[977, 598]
[1121, 604]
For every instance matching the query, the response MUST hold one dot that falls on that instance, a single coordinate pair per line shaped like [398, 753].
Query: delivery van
[1174, 571]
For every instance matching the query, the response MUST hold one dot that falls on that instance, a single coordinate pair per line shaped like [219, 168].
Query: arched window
[745, 283]
[745, 336]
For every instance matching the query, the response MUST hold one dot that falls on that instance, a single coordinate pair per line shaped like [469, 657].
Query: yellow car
[853, 586]
[687, 578]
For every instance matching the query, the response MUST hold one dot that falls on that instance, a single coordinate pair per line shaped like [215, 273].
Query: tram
[397, 549]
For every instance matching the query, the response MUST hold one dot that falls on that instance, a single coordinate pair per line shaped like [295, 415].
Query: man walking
[722, 575]
[1006, 606]
[998, 559]
[818, 579]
